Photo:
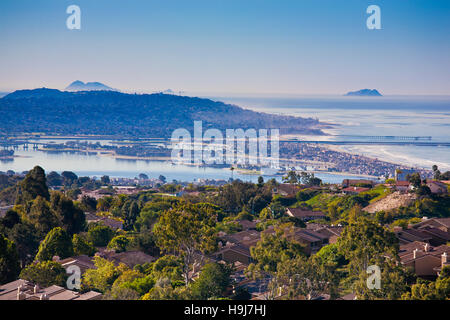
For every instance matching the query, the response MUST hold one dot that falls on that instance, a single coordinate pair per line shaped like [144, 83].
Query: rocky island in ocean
[364, 93]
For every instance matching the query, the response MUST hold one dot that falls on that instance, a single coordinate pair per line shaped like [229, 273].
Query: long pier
[416, 138]
[356, 142]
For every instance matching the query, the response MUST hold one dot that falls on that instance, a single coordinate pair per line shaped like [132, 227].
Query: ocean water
[84, 164]
[362, 118]
[351, 119]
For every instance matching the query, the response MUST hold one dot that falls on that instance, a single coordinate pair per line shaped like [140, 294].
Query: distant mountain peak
[88, 86]
[364, 93]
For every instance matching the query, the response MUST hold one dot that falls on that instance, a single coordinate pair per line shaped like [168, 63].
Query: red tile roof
[355, 189]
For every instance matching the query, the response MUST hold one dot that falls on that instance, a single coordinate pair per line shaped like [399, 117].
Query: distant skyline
[211, 46]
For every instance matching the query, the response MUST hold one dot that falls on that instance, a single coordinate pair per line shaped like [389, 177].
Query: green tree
[415, 179]
[121, 289]
[26, 239]
[151, 212]
[54, 179]
[82, 247]
[305, 277]
[429, 290]
[141, 285]
[105, 180]
[186, 229]
[213, 280]
[119, 243]
[393, 281]
[10, 219]
[436, 172]
[73, 219]
[292, 177]
[102, 277]
[100, 235]
[56, 243]
[69, 178]
[330, 255]
[9, 260]
[164, 290]
[104, 204]
[88, 204]
[73, 193]
[274, 249]
[45, 274]
[42, 216]
[33, 185]
[168, 266]
[130, 212]
[364, 242]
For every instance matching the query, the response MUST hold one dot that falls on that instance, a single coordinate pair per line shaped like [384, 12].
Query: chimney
[444, 259]
[415, 253]
[36, 289]
[426, 247]
[43, 297]
[20, 294]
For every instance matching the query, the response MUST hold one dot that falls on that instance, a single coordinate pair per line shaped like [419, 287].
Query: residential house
[357, 182]
[129, 258]
[25, 290]
[403, 186]
[354, 190]
[442, 224]
[438, 229]
[409, 235]
[305, 215]
[438, 236]
[83, 262]
[112, 223]
[287, 189]
[236, 247]
[235, 253]
[312, 240]
[331, 232]
[437, 187]
[423, 259]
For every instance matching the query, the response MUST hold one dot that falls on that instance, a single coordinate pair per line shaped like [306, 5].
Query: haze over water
[356, 117]
[353, 119]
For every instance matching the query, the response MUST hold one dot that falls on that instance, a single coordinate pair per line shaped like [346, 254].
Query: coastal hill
[51, 111]
[364, 93]
[88, 86]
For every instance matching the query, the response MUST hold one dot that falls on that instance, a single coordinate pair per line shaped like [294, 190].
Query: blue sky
[228, 46]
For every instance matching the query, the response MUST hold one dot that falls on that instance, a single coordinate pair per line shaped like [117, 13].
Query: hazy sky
[228, 46]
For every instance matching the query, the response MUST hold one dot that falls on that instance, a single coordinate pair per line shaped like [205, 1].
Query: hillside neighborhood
[169, 241]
